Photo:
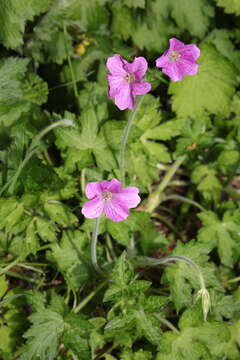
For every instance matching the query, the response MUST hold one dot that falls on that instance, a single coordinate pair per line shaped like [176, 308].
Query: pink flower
[110, 198]
[179, 60]
[125, 80]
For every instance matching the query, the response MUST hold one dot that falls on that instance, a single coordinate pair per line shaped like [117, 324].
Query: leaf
[165, 131]
[84, 139]
[230, 6]
[194, 343]
[35, 90]
[12, 103]
[123, 21]
[46, 230]
[215, 74]
[223, 235]
[43, 336]
[135, 3]
[192, 16]
[59, 213]
[70, 258]
[76, 335]
[182, 277]
[14, 15]
[149, 326]
[207, 182]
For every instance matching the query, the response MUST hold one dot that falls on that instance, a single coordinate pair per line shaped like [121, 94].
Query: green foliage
[230, 6]
[53, 304]
[50, 326]
[223, 234]
[183, 278]
[197, 340]
[14, 15]
[194, 15]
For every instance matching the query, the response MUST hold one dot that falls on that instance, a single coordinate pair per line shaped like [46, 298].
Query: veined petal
[138, 67]
[175, 44]
[92, 189]
[115, 65]
[187, 67]
[141, 88]
[113, 185]
[173, 71]
[162, 60]
[190, 51]
[127, 197]
[93, 208]
[115, 85]
[115, 212]
[124, 99]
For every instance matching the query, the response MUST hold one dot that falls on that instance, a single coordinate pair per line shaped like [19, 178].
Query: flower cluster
[125, 83]
[125, 79]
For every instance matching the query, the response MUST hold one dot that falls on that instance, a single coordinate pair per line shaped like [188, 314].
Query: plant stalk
[94, 246]
[155, 198]
[125, 139]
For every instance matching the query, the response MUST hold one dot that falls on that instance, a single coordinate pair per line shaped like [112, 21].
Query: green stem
[20, 276]
[31, 151]
[203, 292]
[234, 280]
[90, 296]
[94, 245]
[155, 198]
[125, 138]
[9, 266]
[165, 221]
[183, 199]
[167, 323]
[147, 261]
[74, 80]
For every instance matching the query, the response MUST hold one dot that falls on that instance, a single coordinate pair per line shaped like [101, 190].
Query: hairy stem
[125, 139]
[155, 198]
[167, 323]
[183, 199]
[85, 301]
[202, 293]
[94, 246]
[74, 80]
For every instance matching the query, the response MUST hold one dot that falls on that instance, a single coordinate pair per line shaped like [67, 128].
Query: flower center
[130, 78]
[174, 55]
[106, 195]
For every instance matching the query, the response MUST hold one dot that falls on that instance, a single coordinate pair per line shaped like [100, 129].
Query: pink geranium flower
[109, 198]
[179, 60]
[124, 80]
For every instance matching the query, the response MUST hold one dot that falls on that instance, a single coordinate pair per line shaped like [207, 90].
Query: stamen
[174, 55]
[130, 78]
[106, 195]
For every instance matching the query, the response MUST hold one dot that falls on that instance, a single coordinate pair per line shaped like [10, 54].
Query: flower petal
[187, 67]
[138, 67]
[115, 65]
[190, 51]
[115, 85]
[173, 71]
[141, 88]
[175, 44]
[92, 189]
[162, 60]
[93, 208]
[115, 212]
[127, 197]
[113, 185]
[124, 99]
